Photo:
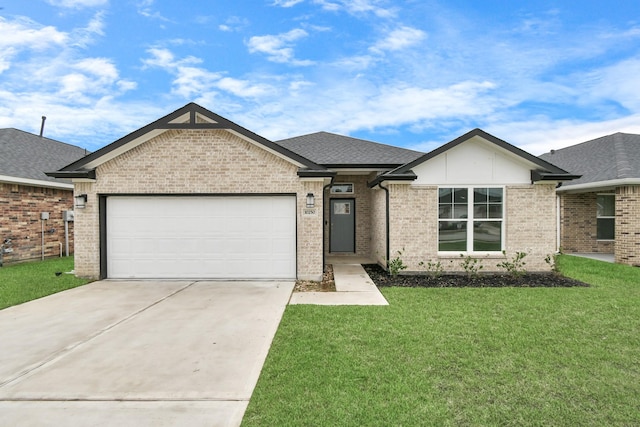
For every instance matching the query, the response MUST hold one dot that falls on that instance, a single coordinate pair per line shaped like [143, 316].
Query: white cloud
[77, 4]
[145, 8]
[234, 23]
[278, 47]
[23, 33]
[191, 81]
[358, 7]
[400, 38]
[286, 3]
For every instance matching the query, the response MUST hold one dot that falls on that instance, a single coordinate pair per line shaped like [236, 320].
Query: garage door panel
[201, 237]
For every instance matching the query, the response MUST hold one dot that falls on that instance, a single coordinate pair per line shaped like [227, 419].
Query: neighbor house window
[470, 219]
[606, 216]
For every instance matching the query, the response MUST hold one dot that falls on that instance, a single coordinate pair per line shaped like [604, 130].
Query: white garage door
[201, 237]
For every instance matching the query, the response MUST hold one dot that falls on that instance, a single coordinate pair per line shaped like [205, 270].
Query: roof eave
[538, 175]
[409, 176]
[315, 173]
[86, 174]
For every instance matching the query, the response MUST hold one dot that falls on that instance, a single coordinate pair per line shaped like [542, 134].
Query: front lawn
[24, 282]
[470, 356]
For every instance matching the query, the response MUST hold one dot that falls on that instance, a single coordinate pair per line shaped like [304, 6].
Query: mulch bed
[530, 280]
[326, 285]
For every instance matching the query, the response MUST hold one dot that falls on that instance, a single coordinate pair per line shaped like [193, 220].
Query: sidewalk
[353, 287]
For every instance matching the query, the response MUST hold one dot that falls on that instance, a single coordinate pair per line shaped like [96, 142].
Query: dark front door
[342, 237]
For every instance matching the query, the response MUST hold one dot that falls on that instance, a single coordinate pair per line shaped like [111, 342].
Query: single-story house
[35, 209]
[600, 212]
[194, 195]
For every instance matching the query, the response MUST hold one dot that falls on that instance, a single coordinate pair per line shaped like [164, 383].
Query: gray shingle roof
[329, 149]
[28, 156]
[607, 158]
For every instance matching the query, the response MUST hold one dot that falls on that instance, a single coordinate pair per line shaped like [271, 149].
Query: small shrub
[551, 260]
[514, 266]
[396, 265]
[434, 269]
[470, 265]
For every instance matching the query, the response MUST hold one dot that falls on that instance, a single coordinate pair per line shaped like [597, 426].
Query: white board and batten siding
[165, 237]
[475, 161]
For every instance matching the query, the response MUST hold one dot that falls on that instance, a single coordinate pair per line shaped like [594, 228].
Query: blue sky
[416, 74]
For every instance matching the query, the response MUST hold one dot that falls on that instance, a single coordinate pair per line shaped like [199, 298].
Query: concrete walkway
[598, 257]
[353, 287]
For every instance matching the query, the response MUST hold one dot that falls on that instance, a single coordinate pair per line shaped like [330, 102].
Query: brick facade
[199, 162]
[627, 228]
[378, 226]
[530, 226]
[579, 227]
[20, 209]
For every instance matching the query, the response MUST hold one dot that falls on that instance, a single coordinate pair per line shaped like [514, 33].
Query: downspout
[386, 190]
[558, 223]
[324, 225]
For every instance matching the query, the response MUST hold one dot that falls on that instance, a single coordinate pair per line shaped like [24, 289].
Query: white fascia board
[74, 180]
[257, 144]
[594, 186]
[35, 182]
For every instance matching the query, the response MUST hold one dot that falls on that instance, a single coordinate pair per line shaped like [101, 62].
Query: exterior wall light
[311, 200]
[81, 201]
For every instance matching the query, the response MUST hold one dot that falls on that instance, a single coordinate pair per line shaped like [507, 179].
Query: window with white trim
[606, 216]
[470, 219]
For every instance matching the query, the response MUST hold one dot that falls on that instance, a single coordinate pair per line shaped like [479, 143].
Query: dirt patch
[327, 284]
[541, 280]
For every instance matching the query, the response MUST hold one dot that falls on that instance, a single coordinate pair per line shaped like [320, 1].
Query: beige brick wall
[413, 225]
[362, 196]
[579, 227]
[531, 223]
[379, 226]
[199, 162]
[20, 208]
[530, 226]
[627, 245]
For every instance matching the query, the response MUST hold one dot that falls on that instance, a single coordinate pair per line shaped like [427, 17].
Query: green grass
[450, 357]
[24, 282]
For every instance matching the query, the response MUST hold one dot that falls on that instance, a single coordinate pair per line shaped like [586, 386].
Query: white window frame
[337, 184]
[470, 220]
[606, 217]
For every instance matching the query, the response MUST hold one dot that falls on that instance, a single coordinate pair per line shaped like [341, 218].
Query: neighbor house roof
[338, 151]
[191, 116]
[25, 157]
[603, 162]
[544, 171]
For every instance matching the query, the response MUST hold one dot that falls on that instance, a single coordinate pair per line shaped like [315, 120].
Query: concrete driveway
[138, 353]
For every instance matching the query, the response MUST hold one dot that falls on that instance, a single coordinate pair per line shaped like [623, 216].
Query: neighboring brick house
[193, 195]
[26, 193]
[600, 212]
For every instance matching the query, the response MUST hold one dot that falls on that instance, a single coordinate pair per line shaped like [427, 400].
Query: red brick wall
[579, 225]
[20, 208]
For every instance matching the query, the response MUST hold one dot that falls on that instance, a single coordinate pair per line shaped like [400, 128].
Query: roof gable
[25, 157]
[335, 151]
[191, 116]
[540, 169]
